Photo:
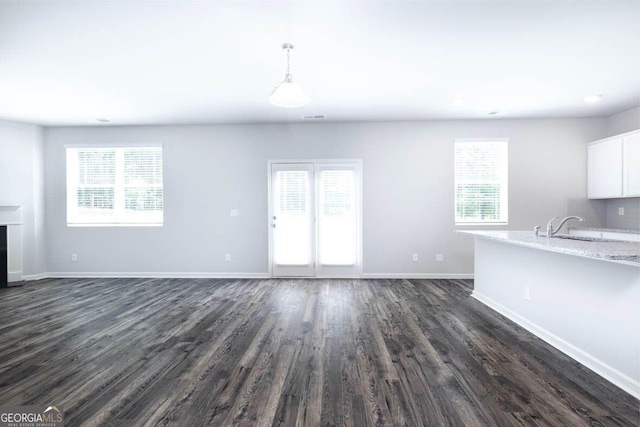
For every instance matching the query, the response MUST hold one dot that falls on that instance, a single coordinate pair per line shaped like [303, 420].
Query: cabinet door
[605, 169]
[632, 165]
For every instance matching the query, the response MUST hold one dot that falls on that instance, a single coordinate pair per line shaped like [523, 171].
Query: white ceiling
[170, 62]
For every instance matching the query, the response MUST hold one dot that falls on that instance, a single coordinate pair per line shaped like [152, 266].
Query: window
[337, 216]
[114, 186]
[481, 182]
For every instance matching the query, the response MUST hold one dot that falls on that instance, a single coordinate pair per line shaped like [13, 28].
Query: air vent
[315, 117]
[493, 113]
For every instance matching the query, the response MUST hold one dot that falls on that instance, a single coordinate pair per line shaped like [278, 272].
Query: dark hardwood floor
[195, 352]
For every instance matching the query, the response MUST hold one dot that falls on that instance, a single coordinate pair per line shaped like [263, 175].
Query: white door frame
[316, 162]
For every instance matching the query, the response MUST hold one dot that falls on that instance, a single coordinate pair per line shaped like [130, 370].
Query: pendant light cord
[287, 77]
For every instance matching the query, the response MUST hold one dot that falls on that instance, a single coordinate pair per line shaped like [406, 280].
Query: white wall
[631, 218]
[22, 183]
[407, 191]
[624, 121]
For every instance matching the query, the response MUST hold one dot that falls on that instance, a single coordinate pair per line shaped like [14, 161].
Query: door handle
[274, 223]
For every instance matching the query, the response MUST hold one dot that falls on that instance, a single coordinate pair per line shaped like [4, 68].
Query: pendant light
[288, 94]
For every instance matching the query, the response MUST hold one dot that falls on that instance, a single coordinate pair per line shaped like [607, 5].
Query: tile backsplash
[630, 219]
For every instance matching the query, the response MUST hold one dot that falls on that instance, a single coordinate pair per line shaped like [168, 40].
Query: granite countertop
[608, 230]
[609, 250]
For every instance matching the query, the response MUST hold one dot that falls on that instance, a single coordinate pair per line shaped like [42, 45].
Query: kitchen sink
[580, 238]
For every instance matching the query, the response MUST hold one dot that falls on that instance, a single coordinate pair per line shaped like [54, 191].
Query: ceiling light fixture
[459, 102]
[95, 120]
[592, 98]
[288, 94]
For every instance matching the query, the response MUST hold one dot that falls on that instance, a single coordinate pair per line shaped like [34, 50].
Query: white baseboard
[157, 275]
[191, 275]
[38, 276]
[623, 381]
[15, 276]
[417, 276]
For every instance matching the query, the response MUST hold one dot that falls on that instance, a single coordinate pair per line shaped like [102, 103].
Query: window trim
[504, 185]
[69, 184]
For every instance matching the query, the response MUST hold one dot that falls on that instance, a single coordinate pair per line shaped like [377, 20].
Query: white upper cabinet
[605, 168]
[631, 168]
[613, 167]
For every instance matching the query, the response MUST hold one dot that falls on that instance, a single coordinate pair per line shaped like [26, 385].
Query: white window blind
[292, 211]
[114, 186]
[481, 182]
[337, 225]
[293, 191]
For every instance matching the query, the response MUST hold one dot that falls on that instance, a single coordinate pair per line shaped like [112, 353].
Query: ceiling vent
[315, 117]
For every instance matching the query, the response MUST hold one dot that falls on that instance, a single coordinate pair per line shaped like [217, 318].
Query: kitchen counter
[605, 229]
[608, 250]
[582, 297]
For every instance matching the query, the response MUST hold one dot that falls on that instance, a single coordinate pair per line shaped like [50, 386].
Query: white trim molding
[222, 275]
[32, 277]
[417, 276]
[155, 275]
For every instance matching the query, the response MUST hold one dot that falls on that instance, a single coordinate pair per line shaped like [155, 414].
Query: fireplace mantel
[11, 216]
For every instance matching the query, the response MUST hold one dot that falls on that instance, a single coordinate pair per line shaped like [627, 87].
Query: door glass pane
[292, 211]
[337, 222]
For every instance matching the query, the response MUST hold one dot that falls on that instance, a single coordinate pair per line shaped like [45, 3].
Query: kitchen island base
[587, 308]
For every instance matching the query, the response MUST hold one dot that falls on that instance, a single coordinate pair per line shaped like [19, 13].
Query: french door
[314, 219]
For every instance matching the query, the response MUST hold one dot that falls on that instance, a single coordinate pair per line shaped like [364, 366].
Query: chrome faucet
[551, 232]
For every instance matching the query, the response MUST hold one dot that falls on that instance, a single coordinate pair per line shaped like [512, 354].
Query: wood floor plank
[287, 352]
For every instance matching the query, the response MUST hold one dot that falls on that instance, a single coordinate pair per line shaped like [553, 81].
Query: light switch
[234, 212]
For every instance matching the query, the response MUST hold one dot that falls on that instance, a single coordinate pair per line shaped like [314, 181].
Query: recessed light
[96, 120]
[592, 98]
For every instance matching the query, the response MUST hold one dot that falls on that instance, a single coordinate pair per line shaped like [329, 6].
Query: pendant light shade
[289, 94]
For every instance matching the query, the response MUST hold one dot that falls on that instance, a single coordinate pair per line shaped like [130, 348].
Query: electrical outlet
[621, 211]
[527, 293]
[227, 257]
[74, 257]
[234, 212]
[439, 257]
[415, 257]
